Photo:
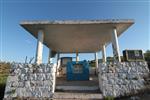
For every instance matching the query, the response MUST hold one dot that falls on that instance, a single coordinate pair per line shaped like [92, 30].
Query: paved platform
[62, 81]
[91, 85]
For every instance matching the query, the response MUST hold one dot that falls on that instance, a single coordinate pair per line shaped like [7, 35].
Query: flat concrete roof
[84, 36]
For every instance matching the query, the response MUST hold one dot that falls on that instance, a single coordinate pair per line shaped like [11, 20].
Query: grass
[4, 72]
[109, 98]
[3, 79]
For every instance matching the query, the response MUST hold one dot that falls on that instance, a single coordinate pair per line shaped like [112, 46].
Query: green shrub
[109, 98]
[3, 79]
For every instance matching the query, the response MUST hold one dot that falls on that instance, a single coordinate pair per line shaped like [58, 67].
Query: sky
[16, 43]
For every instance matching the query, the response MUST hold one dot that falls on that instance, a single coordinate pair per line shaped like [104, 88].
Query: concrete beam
[115, 46]
[39, 49]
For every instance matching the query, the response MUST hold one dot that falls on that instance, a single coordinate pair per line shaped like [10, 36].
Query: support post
[96, 62]
[53, 53]
[39, 49]
[58, 57]
[77, 56]
[49, 57]
[115, 46]
[104, 54]
[58, 62]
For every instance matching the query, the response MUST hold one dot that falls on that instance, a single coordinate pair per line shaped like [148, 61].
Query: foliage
[4, 71]
[109, 98]
[3, 79]
[147, 55]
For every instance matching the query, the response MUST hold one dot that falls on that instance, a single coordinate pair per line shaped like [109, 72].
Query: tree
[147, 55]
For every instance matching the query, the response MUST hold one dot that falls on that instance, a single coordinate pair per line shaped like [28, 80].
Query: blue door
[78, 70]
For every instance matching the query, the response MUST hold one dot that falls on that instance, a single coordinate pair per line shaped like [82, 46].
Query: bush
[4, 72]
[109, 98]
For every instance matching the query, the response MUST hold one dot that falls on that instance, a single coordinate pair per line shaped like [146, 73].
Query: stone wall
[30, 80]
[121, 79]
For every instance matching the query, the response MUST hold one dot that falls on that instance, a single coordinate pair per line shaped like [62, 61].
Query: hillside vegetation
[4, 72]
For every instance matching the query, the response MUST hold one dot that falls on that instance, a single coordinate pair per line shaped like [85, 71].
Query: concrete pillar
[58, 63]
[58, 56]
[49, 56]
[77, 56]
[115, 46]
[53, 53]
[39, 49]
[104, 54]
[96, 61]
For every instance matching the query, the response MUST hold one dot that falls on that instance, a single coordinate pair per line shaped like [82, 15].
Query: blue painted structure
[78, 70]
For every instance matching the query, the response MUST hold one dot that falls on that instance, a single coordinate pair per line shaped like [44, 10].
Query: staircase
[77, 90]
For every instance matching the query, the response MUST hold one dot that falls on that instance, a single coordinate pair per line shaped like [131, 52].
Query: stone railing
[30, 80]
[121, 79]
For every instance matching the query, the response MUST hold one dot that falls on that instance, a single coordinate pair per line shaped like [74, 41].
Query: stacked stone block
[30, 80]
[122, 78]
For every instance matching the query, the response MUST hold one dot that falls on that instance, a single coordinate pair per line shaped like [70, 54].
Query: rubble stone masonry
[122, 78]
[30, 80]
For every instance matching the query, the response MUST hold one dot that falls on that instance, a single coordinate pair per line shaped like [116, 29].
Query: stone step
[78, 88]
[77, 96]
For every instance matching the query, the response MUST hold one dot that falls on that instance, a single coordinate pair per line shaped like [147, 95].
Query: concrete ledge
[78, 21]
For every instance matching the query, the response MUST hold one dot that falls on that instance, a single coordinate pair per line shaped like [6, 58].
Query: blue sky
[16, 43]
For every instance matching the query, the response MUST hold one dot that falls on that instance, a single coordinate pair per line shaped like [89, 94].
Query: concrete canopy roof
[82, 36]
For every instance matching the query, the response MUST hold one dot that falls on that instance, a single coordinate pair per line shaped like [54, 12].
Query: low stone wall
[30, 80]
[121, 79]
